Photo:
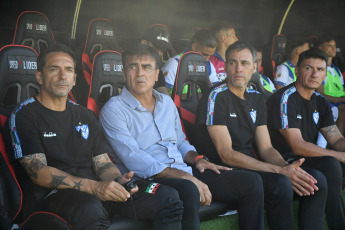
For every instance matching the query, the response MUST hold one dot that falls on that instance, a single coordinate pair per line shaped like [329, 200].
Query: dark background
[256, 21]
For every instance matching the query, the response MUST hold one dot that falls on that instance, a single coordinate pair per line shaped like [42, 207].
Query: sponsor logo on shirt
[233, 115]
[299, 116]
[279, 75]
[49, 134]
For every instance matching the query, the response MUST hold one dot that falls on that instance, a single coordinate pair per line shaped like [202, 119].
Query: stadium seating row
[18, 82]
[99, 78]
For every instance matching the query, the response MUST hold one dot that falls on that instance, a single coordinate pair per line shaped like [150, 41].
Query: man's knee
[321, 180]
[82, 210]
[282, 188]
[255, 184]
[170, 207]
[332, 164]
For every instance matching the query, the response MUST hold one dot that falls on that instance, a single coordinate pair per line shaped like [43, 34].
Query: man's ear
[194, 46]
[223, 37]
[75, 79]
[157, 74]
[39, 77]
[296, 71]
[123, 74]
[255, 67]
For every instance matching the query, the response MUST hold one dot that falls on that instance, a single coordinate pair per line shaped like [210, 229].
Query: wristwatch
[200, 157]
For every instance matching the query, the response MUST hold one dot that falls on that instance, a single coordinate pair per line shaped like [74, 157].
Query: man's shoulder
[114, 102]
[23, 107]
[80, 108]
[173, 61]
[282, 68]
[282, 95]
[217, 90]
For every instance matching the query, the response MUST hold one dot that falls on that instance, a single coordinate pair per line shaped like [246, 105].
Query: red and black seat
[106, 79]
[278, 53]
[191, 80]
[17, 83]
[17, 76]
[100, 36]
[33, 29]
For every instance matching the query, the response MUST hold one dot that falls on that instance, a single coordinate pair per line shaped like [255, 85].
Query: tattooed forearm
[104, 167]
[77, 185]
[330, 131]
[102, 163]
[97, 160]
[33, 163]
[57, 181]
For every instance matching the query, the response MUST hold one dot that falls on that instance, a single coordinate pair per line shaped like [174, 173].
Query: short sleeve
[262, 119]
[169, 71]
[282, 76]
[216, 111]
[326, 115]
[24, 134]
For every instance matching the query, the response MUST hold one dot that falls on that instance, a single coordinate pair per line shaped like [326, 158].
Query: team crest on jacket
[84, 129]
[253, 115]
[316, 117]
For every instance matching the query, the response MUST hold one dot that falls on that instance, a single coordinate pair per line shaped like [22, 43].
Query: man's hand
[126, 178]
[205, 194]
[302, 182]
[202, 164]
[113, 191]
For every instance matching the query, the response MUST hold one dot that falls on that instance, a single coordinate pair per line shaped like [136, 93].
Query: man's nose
[238, 67]
[62, 73]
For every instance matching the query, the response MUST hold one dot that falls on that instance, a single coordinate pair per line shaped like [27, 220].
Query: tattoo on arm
[102, 163]
[330, 131]
[33, 163]
[77, 185]
[57, 181]
[103, 167]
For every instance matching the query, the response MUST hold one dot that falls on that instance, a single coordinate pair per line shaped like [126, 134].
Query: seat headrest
[106, 78]
[278, 45]
[192, 68]
[33, 29]
[191, 81]
[17, 74]
[100, 36]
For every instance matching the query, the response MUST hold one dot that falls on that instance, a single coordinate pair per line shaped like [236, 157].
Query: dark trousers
[189, 195]
[278, 202]
[241, 189]
[161, 204]
[332, 171]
